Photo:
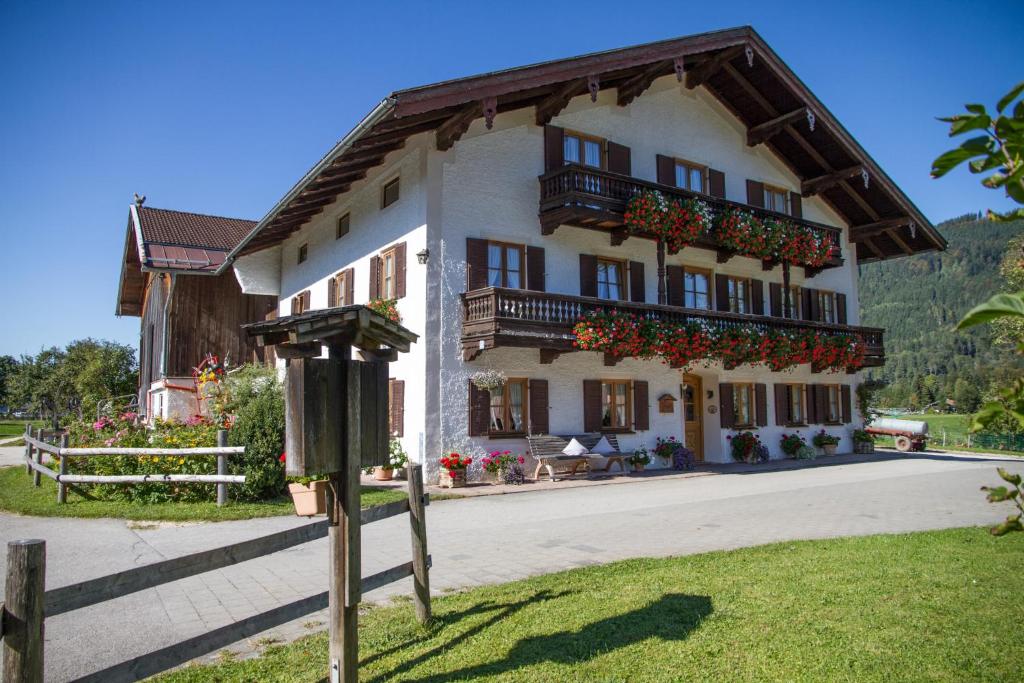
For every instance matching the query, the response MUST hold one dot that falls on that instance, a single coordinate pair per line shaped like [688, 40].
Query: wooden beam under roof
[891, 234]
[706, 69]
[874, 248]
[865, 230]
[452, 129]
[632, 88]
[553, 104]
[809, 188]
[764, 131]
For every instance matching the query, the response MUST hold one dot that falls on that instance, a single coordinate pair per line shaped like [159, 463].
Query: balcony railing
[494, 317]
[594, 198]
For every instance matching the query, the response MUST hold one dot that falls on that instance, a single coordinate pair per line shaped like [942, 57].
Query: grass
[18, 495]
[17, 427]
[935, 606]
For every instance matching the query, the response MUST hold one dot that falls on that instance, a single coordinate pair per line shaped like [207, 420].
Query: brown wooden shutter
[396, 396]
[476, 264]
[761, 404]
[782, 404]
[619, 158]
[554, 152]
[636, 282]
[757, 297]
[305, 301]
[812, 404]
[844, 392]
[821, 403]
[841, 308]
[538, 406]
[716, 183]
[666, 170]
[332, 292]
[674, 285]
[810, 301]
[350, 287]
[374, 277]
[400, 271]
[726, 408]
[479, 411]
[721, 293]
[641, 407]
[755, 193]
[588, 275]
[534, 268]
[796, 205]
[775, 298]
[592, 405]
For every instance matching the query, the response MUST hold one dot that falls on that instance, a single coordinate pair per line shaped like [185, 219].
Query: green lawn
[17, 427]
[18, 495]
[935, 606]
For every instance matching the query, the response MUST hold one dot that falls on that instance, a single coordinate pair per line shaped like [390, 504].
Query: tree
[8, 366]
[966, 395]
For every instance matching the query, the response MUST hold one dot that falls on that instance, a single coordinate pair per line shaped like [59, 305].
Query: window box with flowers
[675, 223]
[826, 442]
[453, 470]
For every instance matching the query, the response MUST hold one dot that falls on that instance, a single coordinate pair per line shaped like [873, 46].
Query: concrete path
[490, 539]
[12, 455]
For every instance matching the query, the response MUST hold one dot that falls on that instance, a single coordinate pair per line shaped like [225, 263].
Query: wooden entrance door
[693, 415]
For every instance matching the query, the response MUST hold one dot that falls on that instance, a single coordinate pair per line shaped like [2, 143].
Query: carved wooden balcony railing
[592, 198]
[495, 317]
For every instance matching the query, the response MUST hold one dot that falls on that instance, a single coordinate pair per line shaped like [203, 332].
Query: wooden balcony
[496, 317]
[593, 198]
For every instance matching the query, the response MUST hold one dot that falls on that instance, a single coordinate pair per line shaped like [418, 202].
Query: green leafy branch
[998, 153]
[1013, 494]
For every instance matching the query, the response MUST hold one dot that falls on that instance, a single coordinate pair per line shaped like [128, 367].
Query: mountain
[919, 300]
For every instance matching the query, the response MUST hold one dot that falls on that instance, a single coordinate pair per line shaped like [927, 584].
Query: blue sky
[219, 107]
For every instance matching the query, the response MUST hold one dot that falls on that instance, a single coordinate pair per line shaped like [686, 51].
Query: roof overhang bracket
[632, 88]
[451, 130]
[813, 186]
[706, 69]
[554, 103]
[764, 131]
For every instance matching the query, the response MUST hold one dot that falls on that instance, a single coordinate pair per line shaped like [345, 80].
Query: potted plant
[743, 447]
[639, 459]
[397, 458]
[826, 442]
[308, 495]
[453, 470]
[665, 448]
[863, 441]
[791, 443]
[488, 380]
[805, 453]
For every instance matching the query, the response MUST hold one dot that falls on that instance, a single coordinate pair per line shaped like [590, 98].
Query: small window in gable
[775, 199]
[342, 229]
[389, 193]
[690, 176]
[303, 253]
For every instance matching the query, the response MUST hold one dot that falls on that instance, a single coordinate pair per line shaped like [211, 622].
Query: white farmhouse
[492, 209]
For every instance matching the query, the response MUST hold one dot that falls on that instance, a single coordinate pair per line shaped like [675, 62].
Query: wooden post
[23, 611]
[38, 458]
[785, 291]
[418, 522]
[62, 488]
[662, 294]
[28, 447]
[222, 467]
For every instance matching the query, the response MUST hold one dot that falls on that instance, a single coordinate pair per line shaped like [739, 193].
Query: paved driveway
[490, 539]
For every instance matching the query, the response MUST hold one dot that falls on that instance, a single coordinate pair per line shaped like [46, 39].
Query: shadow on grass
[671, 617]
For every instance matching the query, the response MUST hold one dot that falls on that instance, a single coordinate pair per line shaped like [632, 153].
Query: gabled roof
[734, 65]
[173, 241]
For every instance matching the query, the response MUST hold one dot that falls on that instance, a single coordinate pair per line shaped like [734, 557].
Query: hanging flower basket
[488, 380]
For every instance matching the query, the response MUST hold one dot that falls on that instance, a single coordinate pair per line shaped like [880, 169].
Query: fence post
[38, 458]
[968, 439]
[23, 611]
[62, 488]
[28, 447]
[222, 467]
[421, 572]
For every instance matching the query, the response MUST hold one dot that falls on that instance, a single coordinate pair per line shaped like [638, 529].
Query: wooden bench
[547, 451]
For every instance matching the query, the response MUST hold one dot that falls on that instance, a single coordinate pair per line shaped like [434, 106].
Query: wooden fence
[28, 603]
[36, 445]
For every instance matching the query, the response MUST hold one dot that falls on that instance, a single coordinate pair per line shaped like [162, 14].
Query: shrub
[258, 405]
[806, 453]
[791, 443]
[742, 445]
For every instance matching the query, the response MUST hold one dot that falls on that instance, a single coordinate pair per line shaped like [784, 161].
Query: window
[388, 290]
[739, 295]
[505, 265]
[585, 150]
[343, 225]
[743, 405]
[341, 286]
[827, 306]
[796, 400]
[774, 199]
[617, 409]
[696, 288]
[508, 408]
[303, 253]
[611, 279]
[795, 301]
[833, 412]
[389, 193]
[690, 176]
[300, 302]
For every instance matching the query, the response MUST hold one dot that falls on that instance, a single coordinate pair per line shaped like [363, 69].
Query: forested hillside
[919, 300]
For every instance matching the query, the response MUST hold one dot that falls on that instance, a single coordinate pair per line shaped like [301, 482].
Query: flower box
[309, 500]
[454, 479]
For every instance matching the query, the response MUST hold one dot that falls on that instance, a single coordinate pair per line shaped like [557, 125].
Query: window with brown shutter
[303, 252]
[588, 275]
[637, 293]
[506, 265]
[339, 289]
[332, 291]
[775, 299]
[831, 403]
[666, 167]
[538, 396]
[583, 149]
[739, 294]
[535, 269]
[375, 277]
[796, 205]
[641, 409]
[508, 407]
[616, 404]
[342, 227]
[389, 193]
[716, 183]
[841, 308]
[387, 273]
[591, 405]
[781, 405]
[479, 410]
[743, 405]
[300, 302]
[775, 199]
[755, 193]
[611, 279]
[689, 176]
[790, 405]
[756, 297]
[721, 292]
[396, 406]
[553, 145]
[809, 299]
[619, 159]
[761, 404]
[696, 288]
[846, 403]
[674, 285]
[400, 270]
[476, 264]
[726, 407]
[826, 312]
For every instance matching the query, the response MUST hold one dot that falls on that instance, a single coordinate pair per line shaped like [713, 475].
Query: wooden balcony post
[785, 289]
[662, 295]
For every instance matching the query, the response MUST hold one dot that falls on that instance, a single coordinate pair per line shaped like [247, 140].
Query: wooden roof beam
[328, 191]
[706, 69]
[324, 182]
[302, 211]
[353, 158]
[762, 132]
[891, 234]
[553, 104]
[874, 248]
[859, 232]
[631, 89]
[451, 130]
[809, 188]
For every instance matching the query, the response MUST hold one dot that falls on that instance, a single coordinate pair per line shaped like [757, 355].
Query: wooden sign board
[334, 407]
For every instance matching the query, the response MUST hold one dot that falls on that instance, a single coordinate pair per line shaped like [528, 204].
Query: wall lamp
[422, 256]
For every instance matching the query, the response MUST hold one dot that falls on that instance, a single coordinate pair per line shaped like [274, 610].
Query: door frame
[698, 411]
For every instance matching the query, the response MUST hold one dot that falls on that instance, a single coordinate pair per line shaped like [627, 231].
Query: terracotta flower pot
[453, 480]
[638, 467]
[309, 500]
[830, 449]
[383, 473]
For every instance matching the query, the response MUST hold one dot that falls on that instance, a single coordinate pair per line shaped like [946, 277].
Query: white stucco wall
[260, 272]
[172, 399]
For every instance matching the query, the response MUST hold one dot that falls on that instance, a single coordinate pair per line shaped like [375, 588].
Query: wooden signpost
[336, 414]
